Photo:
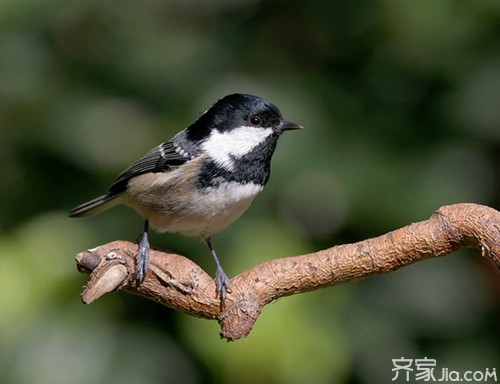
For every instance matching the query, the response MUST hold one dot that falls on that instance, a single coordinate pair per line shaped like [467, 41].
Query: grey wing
[160, 159]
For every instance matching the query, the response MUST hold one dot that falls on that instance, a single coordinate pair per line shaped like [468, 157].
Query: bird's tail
[95, 206]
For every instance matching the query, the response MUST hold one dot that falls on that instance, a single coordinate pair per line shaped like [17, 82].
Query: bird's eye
[255, 121]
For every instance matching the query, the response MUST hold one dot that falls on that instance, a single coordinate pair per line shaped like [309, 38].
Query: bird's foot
[142, 258]
[221, 284]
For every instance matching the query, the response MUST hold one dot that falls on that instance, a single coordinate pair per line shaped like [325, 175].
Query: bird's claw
[221, 284]
[142, 258]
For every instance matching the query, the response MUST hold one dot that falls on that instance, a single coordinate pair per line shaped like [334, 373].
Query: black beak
[288, 125]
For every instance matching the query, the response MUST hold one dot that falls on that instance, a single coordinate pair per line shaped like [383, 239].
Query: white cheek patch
[224, 147]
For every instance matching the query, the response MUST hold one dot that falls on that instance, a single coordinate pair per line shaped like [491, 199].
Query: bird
[202, 179]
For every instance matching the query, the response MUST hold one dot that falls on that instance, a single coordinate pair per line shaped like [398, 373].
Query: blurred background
[400, 101]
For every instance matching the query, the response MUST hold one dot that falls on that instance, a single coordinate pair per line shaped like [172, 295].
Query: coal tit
[202, 179]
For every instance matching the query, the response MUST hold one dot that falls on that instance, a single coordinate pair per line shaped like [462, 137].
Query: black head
[237, 110]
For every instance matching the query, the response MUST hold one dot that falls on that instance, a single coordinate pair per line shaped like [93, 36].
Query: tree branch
[179, 283]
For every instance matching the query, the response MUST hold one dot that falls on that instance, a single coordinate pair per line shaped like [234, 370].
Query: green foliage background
[400, 101]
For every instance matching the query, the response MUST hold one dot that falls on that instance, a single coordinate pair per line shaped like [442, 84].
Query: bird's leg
[221, 280]
[142, 257]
